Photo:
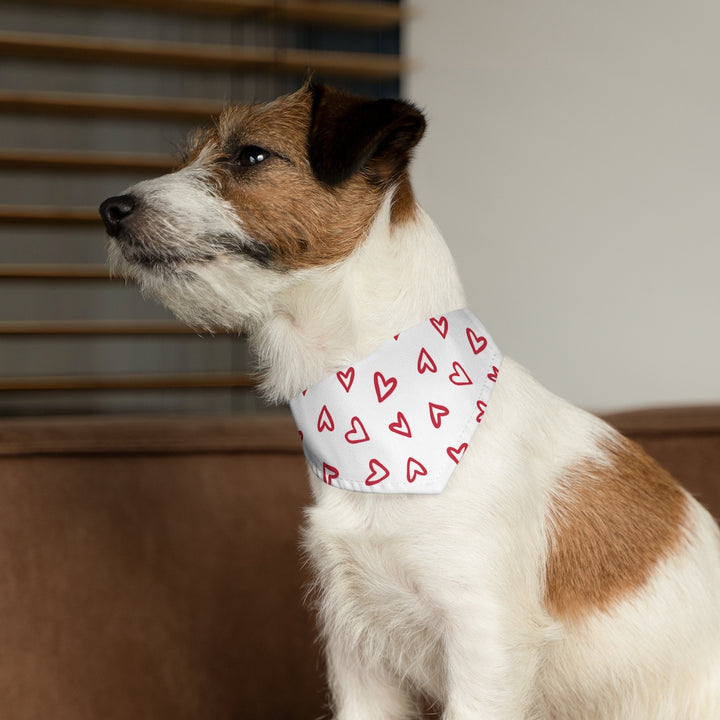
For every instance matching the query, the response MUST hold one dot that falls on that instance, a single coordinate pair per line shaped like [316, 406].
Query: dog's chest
[376, 592]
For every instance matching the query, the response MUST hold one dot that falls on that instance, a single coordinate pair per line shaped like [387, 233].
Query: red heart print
[459, 377]
[300, 433]
[441, 325]
[415, 468]
[477, 342]
[481, 407]
[384, 388]
[325, 421]
[378, 472]
[494, 374]
[357, 433]
[329, 473]
[437, 413]
[346, 378]
[425, 362]
[457, 453]
[400, 426]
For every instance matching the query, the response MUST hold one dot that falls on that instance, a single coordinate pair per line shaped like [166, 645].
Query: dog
[560, 572]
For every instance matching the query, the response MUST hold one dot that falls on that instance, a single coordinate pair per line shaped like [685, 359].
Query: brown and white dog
[561, 573]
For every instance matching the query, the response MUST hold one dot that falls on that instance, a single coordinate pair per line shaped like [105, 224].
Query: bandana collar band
[399, 420]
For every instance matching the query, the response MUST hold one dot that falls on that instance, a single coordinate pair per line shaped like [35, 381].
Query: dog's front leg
[490, 666]
[361, 692]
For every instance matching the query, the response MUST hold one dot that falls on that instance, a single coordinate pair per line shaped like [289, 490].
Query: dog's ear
[350, 133]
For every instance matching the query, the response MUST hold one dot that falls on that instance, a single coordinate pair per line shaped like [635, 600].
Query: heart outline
[417, 467]
[376, 469]
[457, 453]
[400, 426]
[325, 420]
[477, 342]
[388, 386]
[346, 378]
[456, 377]
[425, 362]
[437, 413]
[330, 473]
[441, 325]
[354, 435]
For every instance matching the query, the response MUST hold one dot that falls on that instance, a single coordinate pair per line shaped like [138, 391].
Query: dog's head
[271, 189]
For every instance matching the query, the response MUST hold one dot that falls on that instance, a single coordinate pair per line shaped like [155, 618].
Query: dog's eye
[251, 155]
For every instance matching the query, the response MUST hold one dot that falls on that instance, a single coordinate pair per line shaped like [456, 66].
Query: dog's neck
[402, 274]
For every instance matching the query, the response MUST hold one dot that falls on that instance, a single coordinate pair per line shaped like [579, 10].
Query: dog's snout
[115, 210]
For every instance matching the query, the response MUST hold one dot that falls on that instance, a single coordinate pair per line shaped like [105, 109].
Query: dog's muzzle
[114, 211]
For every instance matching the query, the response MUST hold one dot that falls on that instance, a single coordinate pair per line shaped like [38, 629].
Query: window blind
[96, 95]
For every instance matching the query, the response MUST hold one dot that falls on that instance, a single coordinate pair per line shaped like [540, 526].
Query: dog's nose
[114, 210]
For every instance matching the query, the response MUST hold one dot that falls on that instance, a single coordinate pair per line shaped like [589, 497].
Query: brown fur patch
[404, 205]
[296, 219]
[610, 525]
[300, 221]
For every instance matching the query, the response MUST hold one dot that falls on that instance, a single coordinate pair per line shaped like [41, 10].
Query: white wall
[573, 163]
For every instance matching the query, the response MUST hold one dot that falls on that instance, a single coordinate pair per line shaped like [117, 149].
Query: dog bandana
[399, 420]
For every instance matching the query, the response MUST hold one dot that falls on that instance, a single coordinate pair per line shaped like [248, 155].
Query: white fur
[444, 594]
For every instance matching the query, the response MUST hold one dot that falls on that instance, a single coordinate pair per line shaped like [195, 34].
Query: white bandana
[399, 420]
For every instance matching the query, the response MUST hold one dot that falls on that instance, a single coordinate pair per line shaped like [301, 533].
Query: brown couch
[149, 567]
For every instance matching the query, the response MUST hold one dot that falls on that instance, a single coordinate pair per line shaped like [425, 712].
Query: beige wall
[573, 163]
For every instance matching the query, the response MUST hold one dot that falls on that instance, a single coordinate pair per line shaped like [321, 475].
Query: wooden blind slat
[352, 14]
[179, 381]
[40, 271]
[95, 106]
[71, 48]
[84, 328]
[45, 215]
[82, 161]
[364, 15]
